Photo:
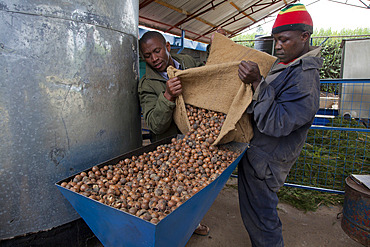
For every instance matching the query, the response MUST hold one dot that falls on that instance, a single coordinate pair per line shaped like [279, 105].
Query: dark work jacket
[283, 111]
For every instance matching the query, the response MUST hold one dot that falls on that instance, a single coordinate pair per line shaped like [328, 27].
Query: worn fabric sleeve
[279, 112]
[257, 91]
[157, 110]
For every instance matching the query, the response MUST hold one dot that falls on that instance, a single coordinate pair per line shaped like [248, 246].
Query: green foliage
[332, 55]
[331, 51]
[245, 39]
[329, 156]
[344, 32]
[308, 200]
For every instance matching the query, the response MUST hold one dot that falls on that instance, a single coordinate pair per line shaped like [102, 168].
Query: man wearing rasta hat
[283, 108]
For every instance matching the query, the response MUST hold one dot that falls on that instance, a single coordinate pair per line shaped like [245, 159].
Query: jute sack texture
[216, 86]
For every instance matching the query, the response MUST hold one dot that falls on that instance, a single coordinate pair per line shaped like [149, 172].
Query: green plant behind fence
[330, 155]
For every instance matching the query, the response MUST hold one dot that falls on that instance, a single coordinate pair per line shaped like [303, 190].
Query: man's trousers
[258, 207]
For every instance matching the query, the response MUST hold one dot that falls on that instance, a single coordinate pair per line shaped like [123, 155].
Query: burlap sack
[224, 50]
[216, 86]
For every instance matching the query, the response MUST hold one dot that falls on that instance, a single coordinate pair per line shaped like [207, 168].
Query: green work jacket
[157, 110]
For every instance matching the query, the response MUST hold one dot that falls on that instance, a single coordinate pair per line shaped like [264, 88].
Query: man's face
[290, 45]
[156, 54]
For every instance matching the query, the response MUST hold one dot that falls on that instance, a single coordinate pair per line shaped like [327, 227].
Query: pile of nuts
[154, 184]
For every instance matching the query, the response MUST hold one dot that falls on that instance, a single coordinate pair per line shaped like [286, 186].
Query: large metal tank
[68, 100]
[264, 43]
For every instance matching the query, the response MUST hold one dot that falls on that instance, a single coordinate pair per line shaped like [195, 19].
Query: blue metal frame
[345, 81]
[339, 128]
[179, 42]
[313, 188]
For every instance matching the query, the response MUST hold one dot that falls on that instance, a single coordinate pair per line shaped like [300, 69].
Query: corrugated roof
[200, 19]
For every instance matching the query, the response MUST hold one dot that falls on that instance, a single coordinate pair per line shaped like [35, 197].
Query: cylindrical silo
[264, 43]
[68, 100]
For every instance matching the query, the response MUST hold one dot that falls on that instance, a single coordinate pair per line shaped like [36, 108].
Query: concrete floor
[314, 229]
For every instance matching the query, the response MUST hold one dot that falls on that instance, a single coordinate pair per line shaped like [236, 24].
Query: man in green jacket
[157, 93]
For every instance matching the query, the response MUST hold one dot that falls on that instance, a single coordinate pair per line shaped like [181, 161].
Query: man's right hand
[173, 89]
[249, 72]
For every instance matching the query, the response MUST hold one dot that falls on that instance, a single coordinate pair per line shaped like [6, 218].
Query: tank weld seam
[66, 19]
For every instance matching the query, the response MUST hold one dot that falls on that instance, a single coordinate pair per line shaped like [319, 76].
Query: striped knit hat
[293, 17]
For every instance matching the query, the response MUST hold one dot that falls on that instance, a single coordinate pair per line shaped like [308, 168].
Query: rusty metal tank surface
[356, 212]
[68, 99]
